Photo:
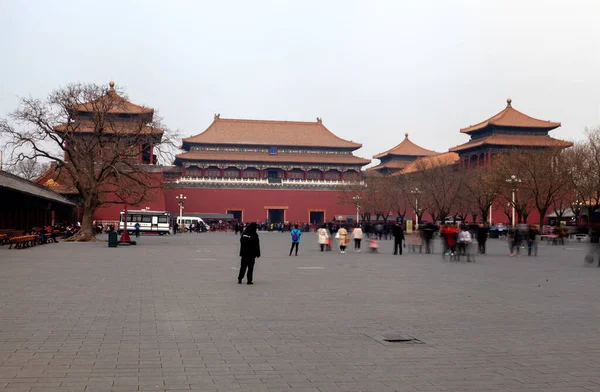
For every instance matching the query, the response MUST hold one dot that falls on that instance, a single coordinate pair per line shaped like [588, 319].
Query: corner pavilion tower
[397, 158]
[507, 130]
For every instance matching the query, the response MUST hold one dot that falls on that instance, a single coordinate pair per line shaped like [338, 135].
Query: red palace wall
[254, 203]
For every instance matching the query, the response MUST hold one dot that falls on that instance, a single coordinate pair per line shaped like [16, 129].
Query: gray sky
[372, 70]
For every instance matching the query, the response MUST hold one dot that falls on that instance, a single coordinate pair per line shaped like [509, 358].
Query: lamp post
[181, 201]
[416, 192]
[514, 181]
[577, 210]
[357, 200]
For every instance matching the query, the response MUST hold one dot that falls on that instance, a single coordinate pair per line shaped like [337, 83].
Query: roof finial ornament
[406, 135]
[217, 116]
[508, 103]
[111, 85]
[319, 120]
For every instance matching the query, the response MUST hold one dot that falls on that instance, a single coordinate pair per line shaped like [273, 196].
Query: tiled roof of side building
[266, 157]
[394, 164]
[407, 148]
[18, 184]
[442, 159]
[270, 133]
[115, 104]
[512, 118]
[514, 140]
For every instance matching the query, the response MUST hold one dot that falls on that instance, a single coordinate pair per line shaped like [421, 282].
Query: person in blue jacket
[295, 239]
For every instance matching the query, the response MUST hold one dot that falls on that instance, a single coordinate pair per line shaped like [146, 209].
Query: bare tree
[584, 160]
[482, 189]
[441, 184]
[96, 140]
[29, 169]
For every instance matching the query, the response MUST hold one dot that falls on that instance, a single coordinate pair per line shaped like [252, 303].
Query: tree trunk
[542, 216]
[87, 225]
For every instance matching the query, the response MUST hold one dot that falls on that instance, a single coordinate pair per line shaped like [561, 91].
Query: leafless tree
[584, 160]
[440, 184]
[29, 169]
[82, 131]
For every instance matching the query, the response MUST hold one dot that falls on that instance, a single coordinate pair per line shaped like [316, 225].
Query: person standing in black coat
[482, 235]
[249, 252]
[398, 238]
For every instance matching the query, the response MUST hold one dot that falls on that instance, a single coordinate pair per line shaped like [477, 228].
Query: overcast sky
[372, 70]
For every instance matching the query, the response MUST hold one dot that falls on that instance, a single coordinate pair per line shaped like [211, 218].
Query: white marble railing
[263, 181]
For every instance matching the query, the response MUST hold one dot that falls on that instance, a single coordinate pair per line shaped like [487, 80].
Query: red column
[182, 171]
[322, 174]
[286, 174]
[489, 159]
[260, 175]
[304, 175]
[222, 172]
[241, 173]
[202, 171]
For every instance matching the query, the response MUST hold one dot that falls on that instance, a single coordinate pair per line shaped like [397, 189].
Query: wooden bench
[23, 241]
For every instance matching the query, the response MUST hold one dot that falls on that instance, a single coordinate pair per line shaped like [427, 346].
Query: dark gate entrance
[276, 215]
[317, 217]
[237, 214]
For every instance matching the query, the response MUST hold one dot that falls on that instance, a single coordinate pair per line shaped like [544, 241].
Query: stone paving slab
[168, 315]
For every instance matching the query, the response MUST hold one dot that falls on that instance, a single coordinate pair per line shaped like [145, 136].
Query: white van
[186, 221]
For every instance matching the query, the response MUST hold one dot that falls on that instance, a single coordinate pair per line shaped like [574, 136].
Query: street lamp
[357, 200]
[181, 201]
[514, 181]
[416, 192]
[577, 209]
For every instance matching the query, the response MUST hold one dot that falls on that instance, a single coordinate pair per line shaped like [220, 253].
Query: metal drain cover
[397, 338]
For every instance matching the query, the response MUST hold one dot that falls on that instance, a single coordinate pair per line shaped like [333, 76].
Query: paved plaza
[168, 315]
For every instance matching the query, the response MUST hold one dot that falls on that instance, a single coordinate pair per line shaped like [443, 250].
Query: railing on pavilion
[280, 182]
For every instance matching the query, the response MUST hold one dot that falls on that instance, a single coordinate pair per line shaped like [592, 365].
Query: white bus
[186, 221]
[150, 221]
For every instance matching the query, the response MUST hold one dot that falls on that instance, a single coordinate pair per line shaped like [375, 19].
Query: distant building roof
[499, 139]
[18, 184]
[407, 148]
[233, 156]
[270, 133]
[113, 103]
[443, 159]
[512, 118]
[391, 165]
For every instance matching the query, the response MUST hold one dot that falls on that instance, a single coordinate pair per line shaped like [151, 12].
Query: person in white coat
[323, 237]
[357, 235]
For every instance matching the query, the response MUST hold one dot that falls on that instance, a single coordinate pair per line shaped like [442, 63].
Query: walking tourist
[249, 252]
[398, 234]
[137, 229]
[482, 235]
[296, 233]
[532, 240]
[343, 238]
[357, 234]
[464, 243]
[323, 237]
[175, 228]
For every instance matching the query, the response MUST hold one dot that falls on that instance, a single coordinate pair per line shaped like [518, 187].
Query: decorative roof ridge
[251, 120]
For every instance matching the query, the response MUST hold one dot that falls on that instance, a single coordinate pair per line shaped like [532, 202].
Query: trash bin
[112, 239]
